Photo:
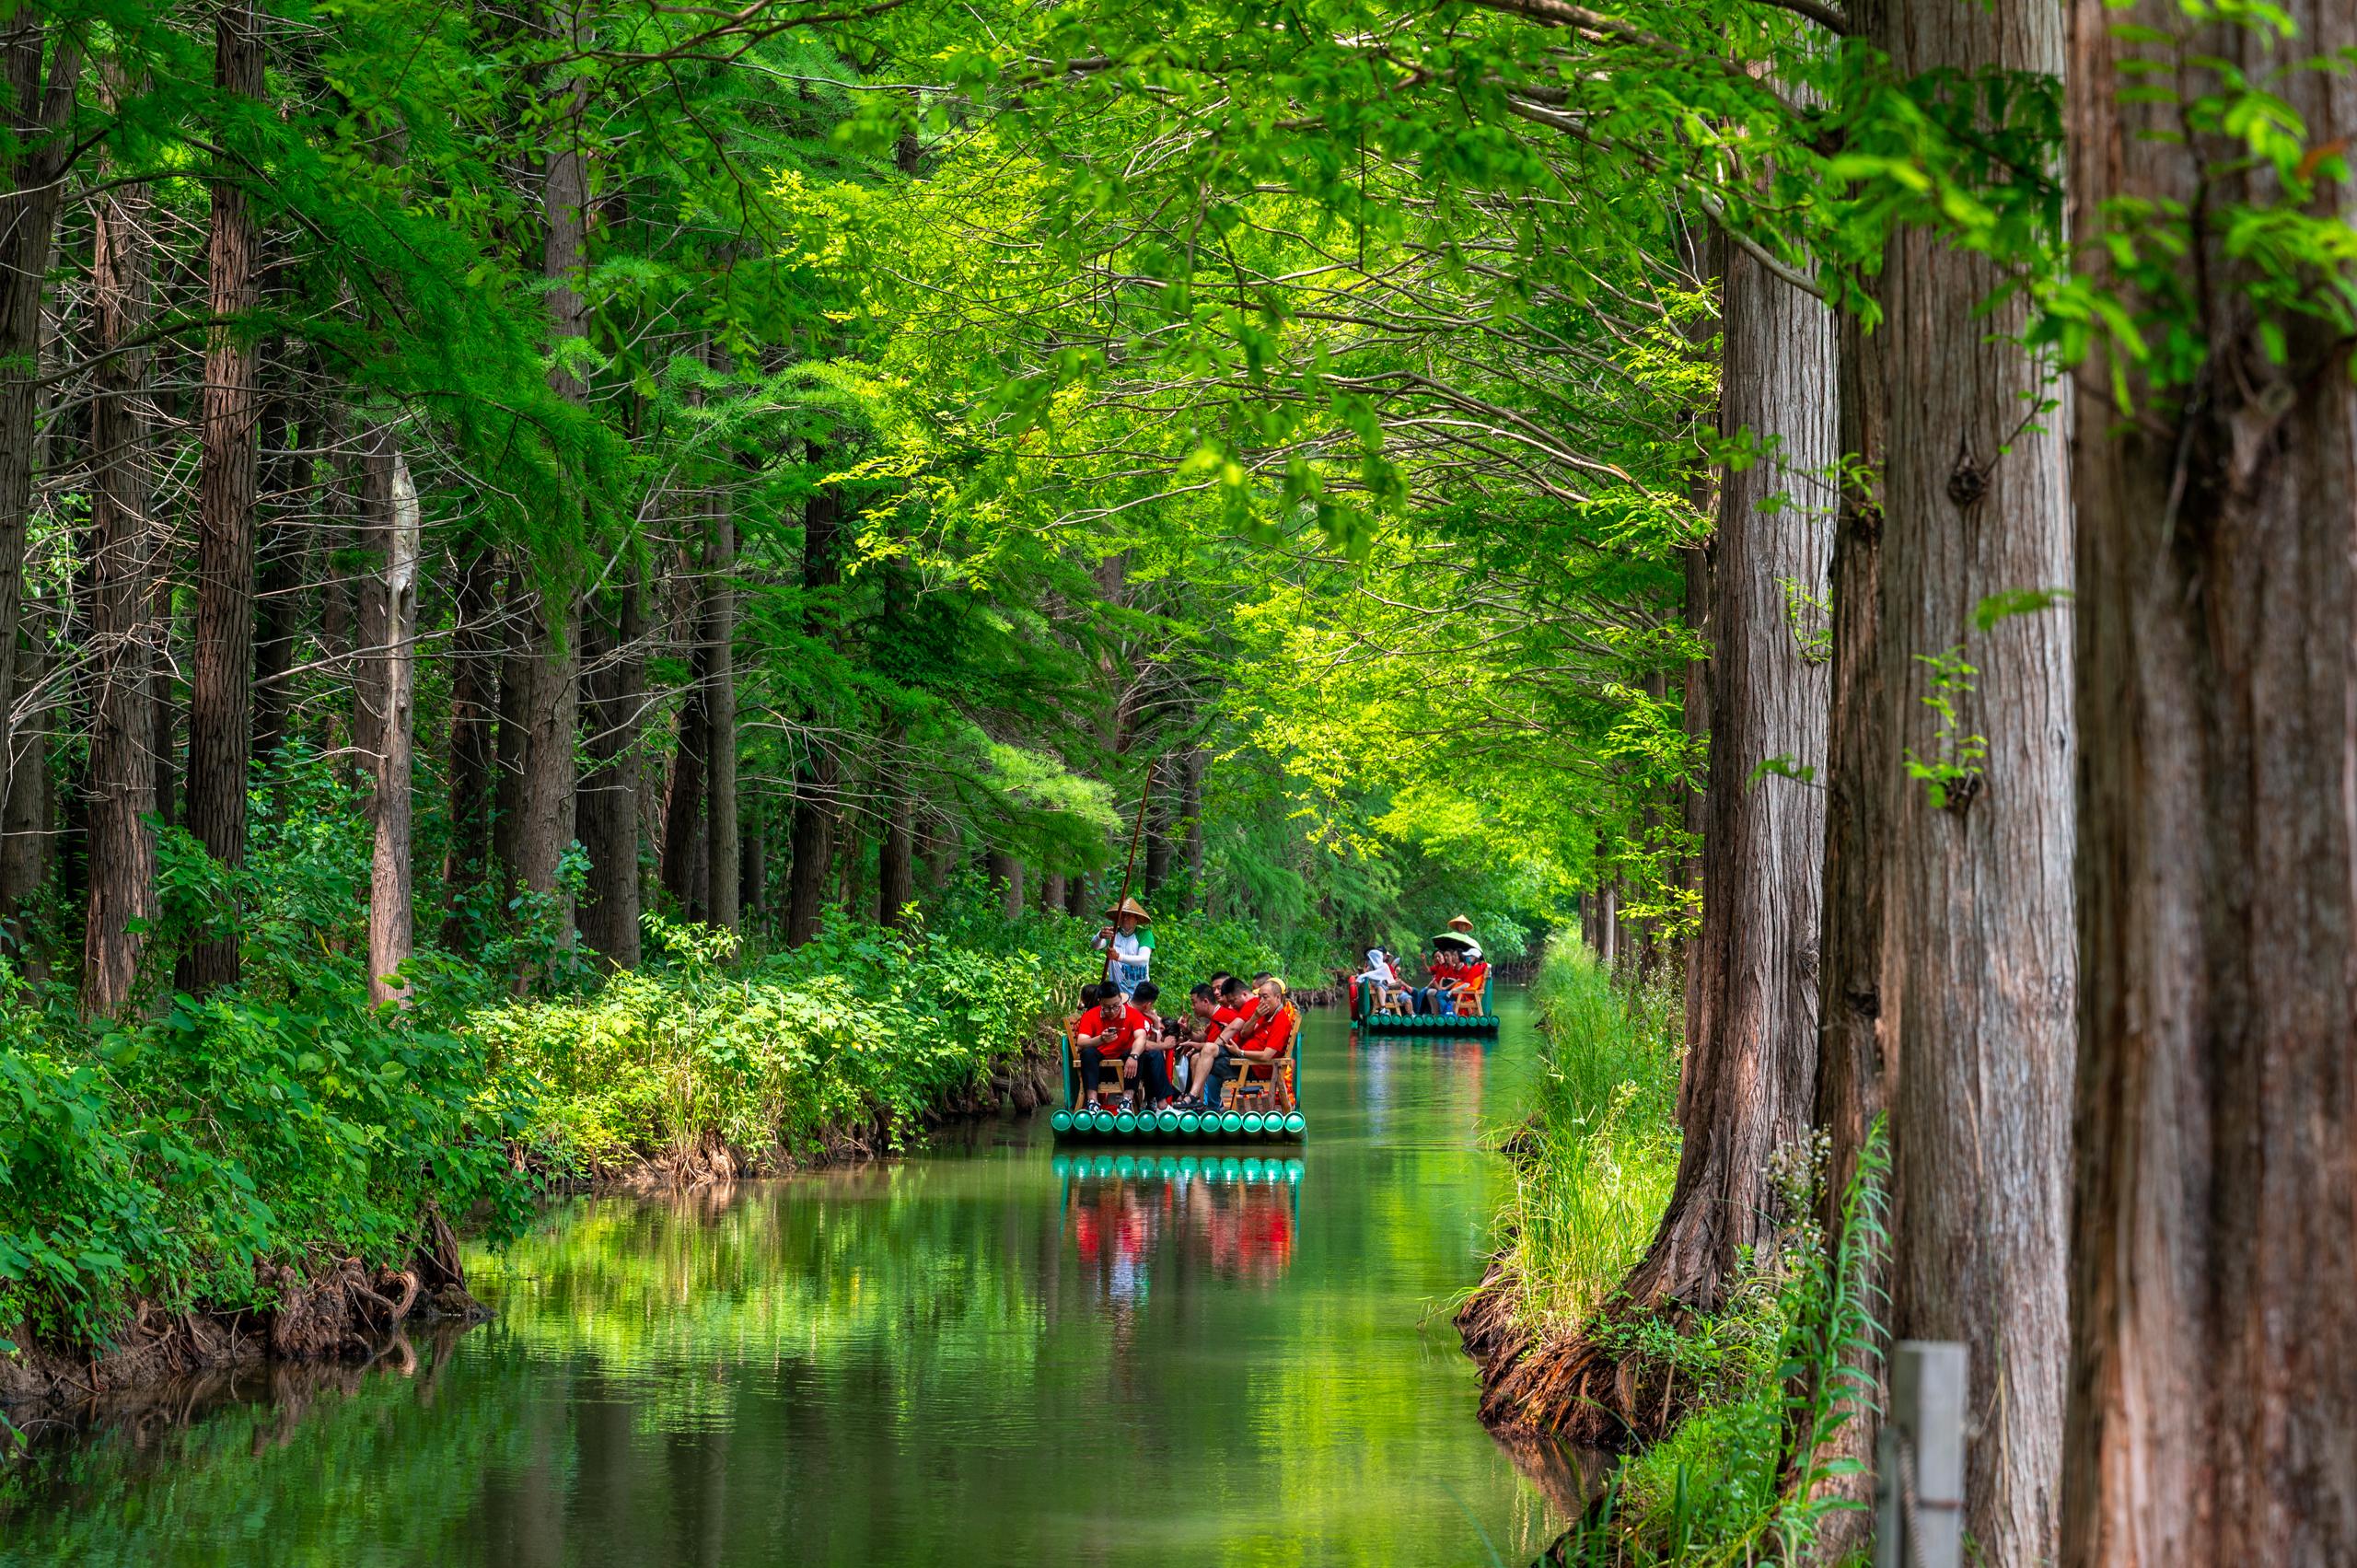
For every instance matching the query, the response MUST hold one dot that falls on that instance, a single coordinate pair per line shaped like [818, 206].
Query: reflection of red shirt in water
[1093, 1022]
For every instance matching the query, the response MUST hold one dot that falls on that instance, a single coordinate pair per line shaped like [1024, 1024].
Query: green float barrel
[1189, 1123]
[1125, 1123]
[1167, 1121]
[1295, 1125]
[1252, 1124]
[1231, 1124]
[1061, 1122]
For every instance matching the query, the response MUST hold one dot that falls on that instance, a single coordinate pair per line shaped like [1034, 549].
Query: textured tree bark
[546, 800]
[1978, 970]
[475, 652]
[683, 830]
[1752, 1055]
[280, 557]
[895, 872]
[614, 655]
[812, 834]
[1006, 874]
[1859, 767]
[38, 107]
[122, 778]
[721, 825]
[220, 705]
[391, 514]
[512, 739]
[752, 859]
[2213, 1412]
[1190, 812]
[27, 818]
[164, 708]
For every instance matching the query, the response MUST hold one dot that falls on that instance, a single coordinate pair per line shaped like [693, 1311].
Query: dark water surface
[983, 1355]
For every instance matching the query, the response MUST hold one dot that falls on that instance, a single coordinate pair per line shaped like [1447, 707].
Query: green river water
[984, 1354]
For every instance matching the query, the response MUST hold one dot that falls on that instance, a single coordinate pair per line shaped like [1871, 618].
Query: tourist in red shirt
[1103, 1032]
[1256, 1040]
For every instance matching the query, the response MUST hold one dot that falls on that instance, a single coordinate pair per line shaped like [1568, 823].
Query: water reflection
[986, 1355]
[1129, 1219]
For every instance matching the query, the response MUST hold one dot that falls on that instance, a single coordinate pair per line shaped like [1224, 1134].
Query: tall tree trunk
[163, 697]
[721, 846]
[812, 849]
[27, 815]
[814, 786]
[752, 858]
[220, 710]
[683, 830]
[615, 658]
[38, 110]
[2213, 1412]
[551, 708]
[475, 654]
[1006, 875]
[1054, 889]
[1978, 971]
[513, 734]
[1191, 822]
[1860, 764]
[895, 872]
[280, 557]
[1752, 1057]
[391, 515]
[122, 781]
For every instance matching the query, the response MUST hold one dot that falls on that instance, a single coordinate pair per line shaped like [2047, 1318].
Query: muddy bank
[341, 1311]
[1561, 1388]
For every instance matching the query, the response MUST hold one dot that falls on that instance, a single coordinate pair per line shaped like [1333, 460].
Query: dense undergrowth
[163, 1157]
[1769, 1377]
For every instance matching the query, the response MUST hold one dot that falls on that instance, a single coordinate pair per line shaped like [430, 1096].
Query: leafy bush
[163, 1158]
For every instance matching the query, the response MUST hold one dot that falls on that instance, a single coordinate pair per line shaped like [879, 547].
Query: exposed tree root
[1564, 1387]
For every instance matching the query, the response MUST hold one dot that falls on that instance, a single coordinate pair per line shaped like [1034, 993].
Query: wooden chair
[1119, 1090]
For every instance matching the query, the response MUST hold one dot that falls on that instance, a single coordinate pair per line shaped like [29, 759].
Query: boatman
[1131, 937]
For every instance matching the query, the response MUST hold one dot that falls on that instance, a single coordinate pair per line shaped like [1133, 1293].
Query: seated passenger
[1103, 1034]
[1438, 998]
[1254, 1044]
[1385, 991]
[1226, 1006]
[1150, 1048]
[1471, 976]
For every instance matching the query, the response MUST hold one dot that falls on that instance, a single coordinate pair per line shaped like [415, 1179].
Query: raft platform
[1485, 1022]
[1167, 1126]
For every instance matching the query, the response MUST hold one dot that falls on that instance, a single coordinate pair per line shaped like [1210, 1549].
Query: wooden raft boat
[1260, 1110]
[1372, 1017]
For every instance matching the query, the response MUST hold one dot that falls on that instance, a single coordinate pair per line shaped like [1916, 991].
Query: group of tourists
[1230, 1028]
[1457, 971]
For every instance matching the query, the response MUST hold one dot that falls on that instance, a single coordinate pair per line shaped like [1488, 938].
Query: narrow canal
[987, 1354]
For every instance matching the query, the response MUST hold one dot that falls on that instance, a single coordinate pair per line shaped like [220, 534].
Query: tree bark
[2213, 1392]
[220, 712]
[513, 739]
[1851, 1059]
[1978, 970]
[391, 515]
[721, 825]
[616, 659]
[39, 107]
[1007, 875]
[814, 789]
[121, 779]
[753, 858]
[1191, 822]
[27, 816]
[280, 557]
[1752, 1053]
[895, 872]
[475, 655]
[683, 828]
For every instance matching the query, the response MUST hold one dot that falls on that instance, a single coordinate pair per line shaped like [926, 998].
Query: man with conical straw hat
[1131, 937]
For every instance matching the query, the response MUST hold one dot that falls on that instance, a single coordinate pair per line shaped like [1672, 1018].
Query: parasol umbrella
[1456, 940]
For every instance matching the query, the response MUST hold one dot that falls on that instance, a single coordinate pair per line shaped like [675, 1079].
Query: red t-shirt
[1474, 973]
[1276, 1034]
[1094, 1022]
[1223, 1015]
[1445, 970]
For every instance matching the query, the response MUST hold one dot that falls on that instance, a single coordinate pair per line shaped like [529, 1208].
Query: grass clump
[1597, 1159]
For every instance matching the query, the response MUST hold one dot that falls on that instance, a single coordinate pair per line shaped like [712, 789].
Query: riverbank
[267, 1173]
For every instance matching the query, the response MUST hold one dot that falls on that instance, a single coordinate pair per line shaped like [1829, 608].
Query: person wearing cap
[1449, 970]
[1130, 939]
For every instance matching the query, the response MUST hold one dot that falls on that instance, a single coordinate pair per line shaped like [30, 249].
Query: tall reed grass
[1596, 1165]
